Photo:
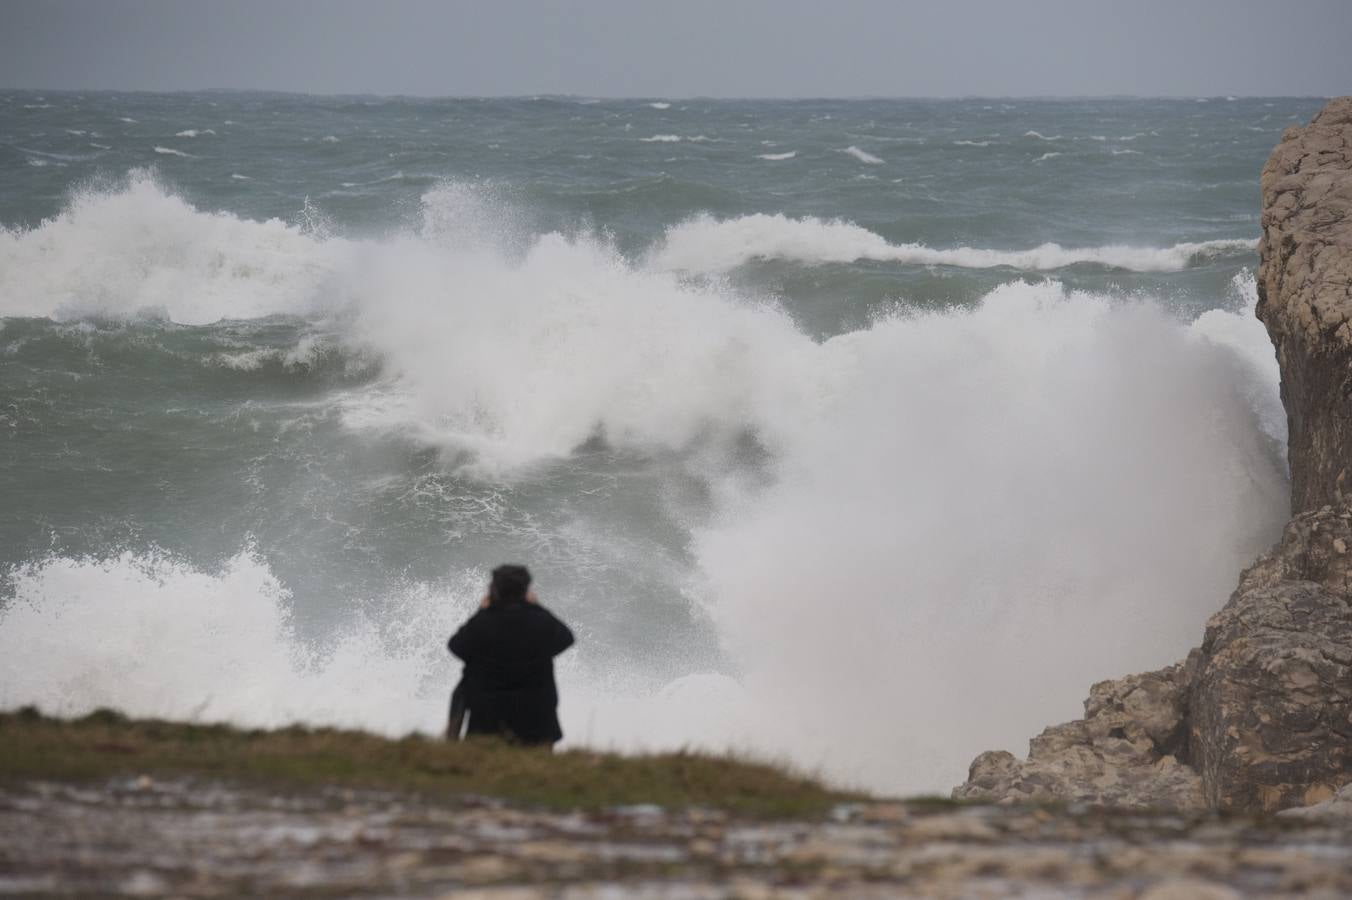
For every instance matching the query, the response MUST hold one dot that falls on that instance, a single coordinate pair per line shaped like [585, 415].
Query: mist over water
[866, 479]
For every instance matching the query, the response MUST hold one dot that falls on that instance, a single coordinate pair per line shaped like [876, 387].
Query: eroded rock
[1305, 296]
[1271, 701]
[1122, 753]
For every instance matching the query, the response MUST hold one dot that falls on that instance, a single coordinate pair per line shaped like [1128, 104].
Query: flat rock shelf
[187, 837]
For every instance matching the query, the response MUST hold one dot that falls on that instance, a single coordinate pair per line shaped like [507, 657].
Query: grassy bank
[105, 744]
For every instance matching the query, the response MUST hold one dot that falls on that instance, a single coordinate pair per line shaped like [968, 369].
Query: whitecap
[661, 139]
[660, 105]
[862, 155]
[776, 157]
[169, 151]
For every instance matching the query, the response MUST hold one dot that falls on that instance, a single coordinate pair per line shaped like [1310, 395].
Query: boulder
[1270, 700]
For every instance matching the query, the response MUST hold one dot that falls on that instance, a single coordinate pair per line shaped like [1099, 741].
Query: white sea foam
[971, 143]
[661, 139]
[329, 139]
[970, 516]
[1124, 151]
[776, 157]
[1046, 156]
[862, 155]
[660, 105]
[170, 151]
[194, 132]
[706, 244]
[99, 146]
[1042, 137]
[127, 119]
[238, 177]
[134, 247]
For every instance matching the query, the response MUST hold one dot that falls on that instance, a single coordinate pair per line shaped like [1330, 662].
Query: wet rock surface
[148, 837]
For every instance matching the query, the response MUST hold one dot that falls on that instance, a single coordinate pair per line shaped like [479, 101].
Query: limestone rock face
[1305, 295]
[1270, 703]
[1122, 753]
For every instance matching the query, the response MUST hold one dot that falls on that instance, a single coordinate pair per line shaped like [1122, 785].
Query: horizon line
[671, 97]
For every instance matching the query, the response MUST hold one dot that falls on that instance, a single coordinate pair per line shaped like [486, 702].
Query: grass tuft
[107, 743]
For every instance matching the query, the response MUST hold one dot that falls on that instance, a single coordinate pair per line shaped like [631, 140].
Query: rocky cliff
[1305, 296]
[1259, 717]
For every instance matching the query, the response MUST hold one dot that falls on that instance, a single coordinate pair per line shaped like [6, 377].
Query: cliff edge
[1259, 717]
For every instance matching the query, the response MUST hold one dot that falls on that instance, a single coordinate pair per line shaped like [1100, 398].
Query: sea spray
[876, 553]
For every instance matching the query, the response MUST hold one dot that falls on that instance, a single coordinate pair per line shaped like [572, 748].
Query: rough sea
[863, 435]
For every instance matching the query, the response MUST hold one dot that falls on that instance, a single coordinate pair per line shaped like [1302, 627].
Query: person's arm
[464, 643]
[560, 637]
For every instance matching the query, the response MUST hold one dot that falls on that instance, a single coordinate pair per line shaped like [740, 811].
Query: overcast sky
[722, 48]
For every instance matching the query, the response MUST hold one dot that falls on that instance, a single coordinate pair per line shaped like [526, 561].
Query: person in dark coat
[508, 648]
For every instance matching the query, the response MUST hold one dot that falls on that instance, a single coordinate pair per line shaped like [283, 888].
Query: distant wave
[705, 244]
[397, 176]
[661, 139]
[776, 157]
[1042, 137]
[862, 155]
[170, 151]
[1052, 155]
[660, 105]
[194, 132]
[971, 143]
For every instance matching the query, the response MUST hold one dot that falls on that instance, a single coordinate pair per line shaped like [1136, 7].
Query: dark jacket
[509, 651]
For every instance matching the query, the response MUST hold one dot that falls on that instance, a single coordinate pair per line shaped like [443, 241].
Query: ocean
[862, 435]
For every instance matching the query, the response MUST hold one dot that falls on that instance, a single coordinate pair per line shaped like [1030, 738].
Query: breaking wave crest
[707, 244]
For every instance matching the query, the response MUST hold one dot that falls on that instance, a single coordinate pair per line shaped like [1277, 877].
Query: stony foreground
[193, 838]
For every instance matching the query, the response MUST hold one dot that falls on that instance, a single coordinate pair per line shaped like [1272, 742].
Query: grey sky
[724, 48]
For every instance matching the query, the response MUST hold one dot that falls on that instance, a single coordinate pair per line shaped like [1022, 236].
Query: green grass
[106, 744]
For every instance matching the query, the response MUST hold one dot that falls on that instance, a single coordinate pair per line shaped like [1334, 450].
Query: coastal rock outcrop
[1270, 703]
[1124, 752]
[1259, 717]
[1305, 296]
